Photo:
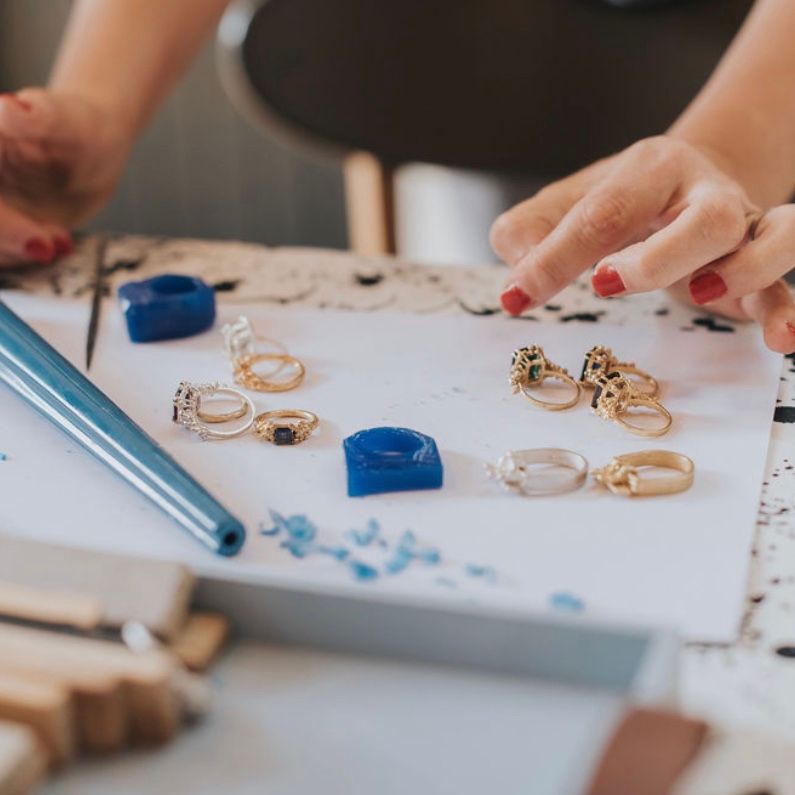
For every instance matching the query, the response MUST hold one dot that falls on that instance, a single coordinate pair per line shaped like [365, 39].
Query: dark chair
[526, 87]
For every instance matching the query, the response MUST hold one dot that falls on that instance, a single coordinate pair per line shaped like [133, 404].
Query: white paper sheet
[678, 560]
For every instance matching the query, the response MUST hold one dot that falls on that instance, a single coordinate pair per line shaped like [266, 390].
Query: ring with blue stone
[301, 427]
[600, 361]
[530, 368]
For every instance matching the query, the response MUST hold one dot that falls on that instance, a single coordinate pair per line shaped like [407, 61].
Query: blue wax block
[167, 307]
[391, 459]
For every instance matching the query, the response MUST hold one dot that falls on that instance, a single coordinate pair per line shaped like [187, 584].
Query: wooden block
[119, 695]
[156, 593]
[200, 640]
[49, 606]
[46, 707]
[22, 762]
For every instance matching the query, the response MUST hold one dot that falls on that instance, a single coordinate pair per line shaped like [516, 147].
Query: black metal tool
[96, 301]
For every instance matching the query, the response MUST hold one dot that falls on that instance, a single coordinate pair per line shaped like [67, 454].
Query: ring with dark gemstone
[283, 433]
[600, 360]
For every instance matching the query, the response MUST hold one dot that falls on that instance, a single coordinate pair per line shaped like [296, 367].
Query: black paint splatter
[368, 279]
[712, 324]
[585, 317]
[124, 265]
[663, 311]
[553, 307]
[227, 286]
[786, 651]
[784, 414]
[483, 311]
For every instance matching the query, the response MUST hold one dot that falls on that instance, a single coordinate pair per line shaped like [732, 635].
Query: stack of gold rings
[189, 410]
[239, 341]
[615, 392]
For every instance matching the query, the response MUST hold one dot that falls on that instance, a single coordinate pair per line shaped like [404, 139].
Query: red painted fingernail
[607, 282]
[515, 300]
[791, 327]
[707, 287]
[18, 101]
[37, 248]
[63, 246]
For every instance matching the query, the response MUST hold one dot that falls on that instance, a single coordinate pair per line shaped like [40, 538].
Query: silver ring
[540, 472]
[187, 405]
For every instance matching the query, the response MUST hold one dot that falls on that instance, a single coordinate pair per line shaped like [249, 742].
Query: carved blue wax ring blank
[391, 459]
[167, 307]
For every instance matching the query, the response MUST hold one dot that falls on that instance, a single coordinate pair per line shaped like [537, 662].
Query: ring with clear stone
[540, 472]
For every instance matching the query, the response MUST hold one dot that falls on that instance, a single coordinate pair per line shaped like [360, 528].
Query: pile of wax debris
[368, 554]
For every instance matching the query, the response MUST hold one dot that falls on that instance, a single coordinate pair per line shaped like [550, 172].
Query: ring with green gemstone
[530, 368]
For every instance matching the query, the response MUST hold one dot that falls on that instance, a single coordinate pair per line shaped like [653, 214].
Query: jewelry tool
[58, 391]
[96, 300]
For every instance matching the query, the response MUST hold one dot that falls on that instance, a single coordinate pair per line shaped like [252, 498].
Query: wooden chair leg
[369, 197]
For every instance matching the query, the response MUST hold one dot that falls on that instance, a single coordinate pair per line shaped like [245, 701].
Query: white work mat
[679, 560]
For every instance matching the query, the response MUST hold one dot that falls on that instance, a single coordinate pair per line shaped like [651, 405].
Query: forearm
[127, 54]
[746, 112]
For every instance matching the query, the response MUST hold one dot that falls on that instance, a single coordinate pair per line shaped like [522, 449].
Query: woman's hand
[662, 213]
[60, 158]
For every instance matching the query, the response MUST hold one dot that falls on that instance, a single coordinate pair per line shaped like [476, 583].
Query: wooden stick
[200, 640]
[44, 706]
[49, 606]
[22, 762]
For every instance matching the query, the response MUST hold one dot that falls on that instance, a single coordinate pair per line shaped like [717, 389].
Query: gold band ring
[246, 376]
[621, 474]
[754, 219]
[614, 395]
[281, 433]
[600, 360]
[530, 368]
[223, 416]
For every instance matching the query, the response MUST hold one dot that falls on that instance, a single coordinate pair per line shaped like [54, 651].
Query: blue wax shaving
[407, 541]
[566, 602]
[297, 547]
[486, 572]
[338, 553]
[300, 528]
[399, 561]
[430, 556]
[272, 531]
[279, 524]
[362, 571]
[363, 538]
[3, 457]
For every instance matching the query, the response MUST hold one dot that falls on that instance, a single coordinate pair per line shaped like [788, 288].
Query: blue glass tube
[58, 391]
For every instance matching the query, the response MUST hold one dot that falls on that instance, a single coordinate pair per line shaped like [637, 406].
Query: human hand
[60, 158]
[662, 213]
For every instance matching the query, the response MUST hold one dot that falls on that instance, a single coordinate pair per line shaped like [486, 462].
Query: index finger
[610, 215]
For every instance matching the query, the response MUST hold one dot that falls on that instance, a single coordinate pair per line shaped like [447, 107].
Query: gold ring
[621, 474]
[247, 377]
[614, 395]
[281, 433]
[530, 368]
[223, 416]
[754, 220]
[600, 360]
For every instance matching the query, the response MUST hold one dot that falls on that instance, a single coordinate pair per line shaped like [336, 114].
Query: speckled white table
[750, 683]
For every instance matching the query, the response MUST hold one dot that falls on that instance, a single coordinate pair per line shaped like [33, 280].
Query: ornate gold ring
[530, 368]
[621, 474]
